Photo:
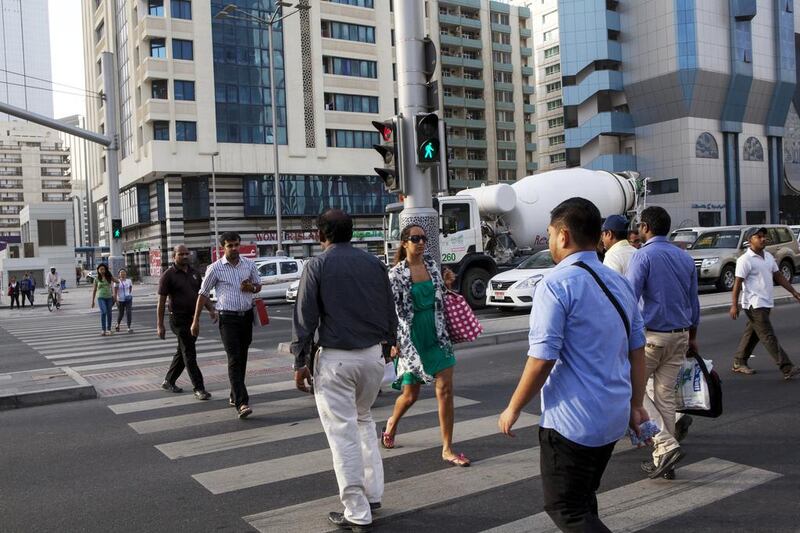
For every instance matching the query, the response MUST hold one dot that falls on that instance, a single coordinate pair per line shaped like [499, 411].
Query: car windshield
[683, 236]
[538, 260]
[716, 240]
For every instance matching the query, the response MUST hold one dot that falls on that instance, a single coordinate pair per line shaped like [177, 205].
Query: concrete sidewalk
[53, 385]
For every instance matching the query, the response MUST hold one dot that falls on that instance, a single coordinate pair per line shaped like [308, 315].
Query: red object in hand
[260, 314]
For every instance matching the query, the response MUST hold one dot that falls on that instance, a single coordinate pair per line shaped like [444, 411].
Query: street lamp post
[215, 243]
[229, 11]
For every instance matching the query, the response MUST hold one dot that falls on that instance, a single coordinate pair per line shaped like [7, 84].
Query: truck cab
[460, 244]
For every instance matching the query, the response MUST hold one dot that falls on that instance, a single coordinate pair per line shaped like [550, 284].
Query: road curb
[82, 390]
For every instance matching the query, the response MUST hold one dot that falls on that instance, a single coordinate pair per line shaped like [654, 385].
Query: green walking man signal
[426, 137]
[116, 228]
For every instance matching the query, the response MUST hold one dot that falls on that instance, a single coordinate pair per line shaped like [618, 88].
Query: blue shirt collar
[657, 238]
[571, 259]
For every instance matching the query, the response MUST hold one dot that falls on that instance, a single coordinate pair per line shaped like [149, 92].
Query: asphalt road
[84, 467]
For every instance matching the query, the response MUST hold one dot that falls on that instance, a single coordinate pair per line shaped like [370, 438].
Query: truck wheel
[474, 287]
[787, 271]
[726, 278]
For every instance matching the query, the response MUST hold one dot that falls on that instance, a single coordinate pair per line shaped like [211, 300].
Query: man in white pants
[345, 297]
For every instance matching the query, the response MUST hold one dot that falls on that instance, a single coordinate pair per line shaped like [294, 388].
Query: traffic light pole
[115, 259]
[418, 209]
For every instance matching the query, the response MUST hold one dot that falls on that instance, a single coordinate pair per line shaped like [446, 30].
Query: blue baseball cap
[615, 223]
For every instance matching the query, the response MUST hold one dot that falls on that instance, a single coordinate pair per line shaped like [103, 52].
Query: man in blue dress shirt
[663, 276]
[590, 371]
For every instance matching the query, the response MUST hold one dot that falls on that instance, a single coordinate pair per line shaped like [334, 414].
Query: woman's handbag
[462, 324]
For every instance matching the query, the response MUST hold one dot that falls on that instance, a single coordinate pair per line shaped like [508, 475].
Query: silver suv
[715, 251]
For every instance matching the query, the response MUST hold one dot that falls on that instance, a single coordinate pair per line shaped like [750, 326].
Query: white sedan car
[514, 288]
[291, 292]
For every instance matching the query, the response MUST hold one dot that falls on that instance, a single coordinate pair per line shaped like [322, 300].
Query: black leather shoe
[374, 506]
[682, 427]
[341, 522]
[202, 395]
[171, 388]
[665, 465]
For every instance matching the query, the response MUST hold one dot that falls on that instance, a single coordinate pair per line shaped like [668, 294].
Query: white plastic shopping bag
[691, 389]
[389, 374]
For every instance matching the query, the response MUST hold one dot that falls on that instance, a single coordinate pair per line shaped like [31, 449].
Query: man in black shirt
[345, 296]
[181, 284]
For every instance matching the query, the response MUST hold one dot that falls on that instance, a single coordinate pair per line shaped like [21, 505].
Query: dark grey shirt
[344, 294]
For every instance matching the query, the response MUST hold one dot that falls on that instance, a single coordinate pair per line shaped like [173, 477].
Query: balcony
[507, 165]
[503, 67]
[508, 106]
[11, 160]
[525, 51]
[54, 173]
[600, 80]
[62, 184]
[531, 166]
[474, 103]
[503, 86]
[454, 40]
[527, 71]
[465, 184]
[154, 68]
[468, 163]
[475, 4]
[507, 145]
[152, 27]
[454, 81]
[527, 89]
[606, 123]
[10, 184]
[464, 22]
[525, 32]
[530, 127]
[529, 108]
[500, 47]
[501, 28]
[12, 197]
[530, 147]
[506, 125]
[456, 61]
[474, 123]
[55, 197]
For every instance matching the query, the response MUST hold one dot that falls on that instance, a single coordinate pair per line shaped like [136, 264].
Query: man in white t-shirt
[756, 270]
[53, 282]
[615, 240]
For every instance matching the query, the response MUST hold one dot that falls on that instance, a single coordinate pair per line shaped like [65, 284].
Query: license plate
[499, 295]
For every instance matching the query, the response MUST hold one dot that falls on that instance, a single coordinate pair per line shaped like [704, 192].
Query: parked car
[716, 249]
[91, 275]
[796, 231]
[277, 274]
[291, 292]
[514, 288]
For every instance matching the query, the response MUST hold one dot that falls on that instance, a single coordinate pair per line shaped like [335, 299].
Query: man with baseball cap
[756, 270]
[615, 240]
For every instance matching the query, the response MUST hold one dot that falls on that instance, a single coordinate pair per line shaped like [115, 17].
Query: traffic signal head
[426, 135]
[116, 228]
[391, 150]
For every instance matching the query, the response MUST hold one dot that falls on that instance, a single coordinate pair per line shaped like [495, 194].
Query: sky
[66, 53]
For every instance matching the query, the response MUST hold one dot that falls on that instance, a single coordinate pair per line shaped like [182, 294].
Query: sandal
[244, 411]
[387, 439]
[458, 460]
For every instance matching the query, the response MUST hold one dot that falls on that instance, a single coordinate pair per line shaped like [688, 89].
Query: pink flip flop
[458, 460]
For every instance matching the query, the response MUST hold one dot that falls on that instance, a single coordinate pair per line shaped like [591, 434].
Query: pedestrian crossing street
[283, 444]
[74, 340]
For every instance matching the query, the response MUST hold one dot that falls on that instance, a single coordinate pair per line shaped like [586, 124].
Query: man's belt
[679, 330]
[235, 313]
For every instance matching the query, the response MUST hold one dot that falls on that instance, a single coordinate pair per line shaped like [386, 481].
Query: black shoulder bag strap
[608, 294]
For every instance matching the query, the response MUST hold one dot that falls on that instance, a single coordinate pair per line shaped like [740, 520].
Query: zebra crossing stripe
[409, 494]
[642, 504]
[293, 430]
[275, 470]
[159, 346]
[218, 415]
[120, 364]
[140, 354]
[175, 400]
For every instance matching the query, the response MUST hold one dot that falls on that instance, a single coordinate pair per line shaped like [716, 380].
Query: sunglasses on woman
[416, 239]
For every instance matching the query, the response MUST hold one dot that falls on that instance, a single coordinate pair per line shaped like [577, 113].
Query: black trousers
[186, 355]
[237, 334]
[25, 296]
[571, 474]
[14, 298]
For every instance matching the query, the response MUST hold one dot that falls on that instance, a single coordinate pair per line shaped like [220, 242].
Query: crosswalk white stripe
[292, 430]
[638, 505]
[64, 329]
[158, 346]
[126, 354]
[218, 415]
[405, 495]
[175, 400]
[274, 470]
[121, 364]
[91, 336]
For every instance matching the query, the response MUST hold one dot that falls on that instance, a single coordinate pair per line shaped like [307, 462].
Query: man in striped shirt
[235, 280]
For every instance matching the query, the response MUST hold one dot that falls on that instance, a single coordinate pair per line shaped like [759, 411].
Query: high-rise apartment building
[692, 94]
[81, 195]
[25, 56]
[34, 169]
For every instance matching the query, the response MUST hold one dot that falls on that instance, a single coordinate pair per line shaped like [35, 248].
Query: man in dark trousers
[345, 296]
[236, 281]
[25, 288]
[180, 284]
[586, 355]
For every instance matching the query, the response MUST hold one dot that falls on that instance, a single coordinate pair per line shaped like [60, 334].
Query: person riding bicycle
[53, 283]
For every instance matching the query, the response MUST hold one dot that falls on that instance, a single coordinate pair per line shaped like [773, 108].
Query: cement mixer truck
[486, 228]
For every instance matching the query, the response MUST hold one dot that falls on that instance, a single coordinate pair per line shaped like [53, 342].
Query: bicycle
[52, 300]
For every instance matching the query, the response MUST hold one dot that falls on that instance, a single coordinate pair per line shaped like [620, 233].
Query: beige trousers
[664, 355]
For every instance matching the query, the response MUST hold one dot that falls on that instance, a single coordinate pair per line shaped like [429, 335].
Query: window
[706, 147]
[555, 122]
[289, 267]
[502, 77]
[558, 158]
[501, 57]
[504, 96]
[755, 217]
[550, 35]
[552, 69]
[359, 3]
[505, 135]
[268, 269]
[506, 175]
[181, 9]
[552, 87]
[158, 48]
[182, 49]
[551, 52]
[343, 66]
[348, 32]
[556, 140]
[709, 219]
[663, 186]
[499, 18]
[155, 8]
[784, 235]
[351, 138]
[456, 217]
[161, 200]
[160, 130]
[753, 151]
[52, 232]
[504, 116]
[184, 90]
[501, 37]
[185, 130]
[506, 155]
[195, 198]
[550, 18]
[352, 103]
[159, 89]
[554, 104]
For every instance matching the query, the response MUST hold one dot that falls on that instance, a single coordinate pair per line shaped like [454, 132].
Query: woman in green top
[103, 287]
[423, 347]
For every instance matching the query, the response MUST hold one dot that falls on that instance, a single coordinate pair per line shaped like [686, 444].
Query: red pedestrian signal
[391, 151]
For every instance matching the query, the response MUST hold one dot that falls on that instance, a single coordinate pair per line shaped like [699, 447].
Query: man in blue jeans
[589, 369]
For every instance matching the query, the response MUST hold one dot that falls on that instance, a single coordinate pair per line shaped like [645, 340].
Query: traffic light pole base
[428, 219]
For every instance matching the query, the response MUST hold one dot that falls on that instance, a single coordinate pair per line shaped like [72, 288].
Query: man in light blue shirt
[589, 368]
[664, 277]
